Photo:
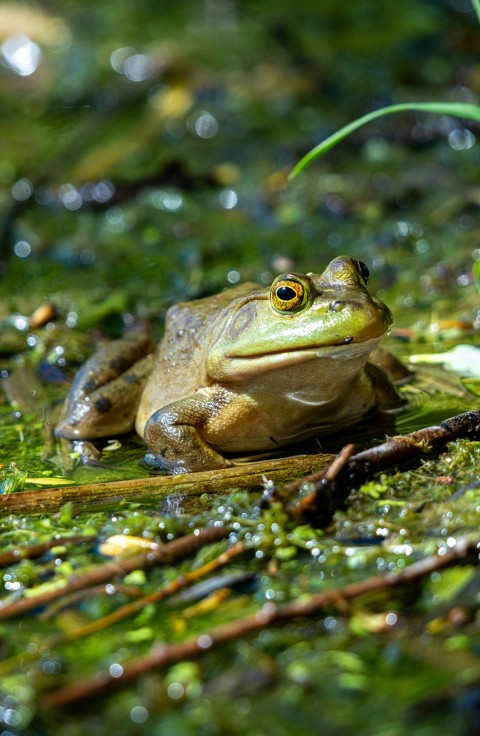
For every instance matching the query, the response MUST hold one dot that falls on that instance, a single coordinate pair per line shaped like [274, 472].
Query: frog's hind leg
[105, 394]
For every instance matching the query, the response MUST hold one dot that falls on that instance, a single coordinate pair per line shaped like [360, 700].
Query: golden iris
[287, 294]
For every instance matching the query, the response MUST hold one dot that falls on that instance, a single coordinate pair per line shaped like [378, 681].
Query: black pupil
[286, 293]
[363, 270]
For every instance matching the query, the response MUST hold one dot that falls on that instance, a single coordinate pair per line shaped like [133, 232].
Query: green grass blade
[455, 109]
[476, 7]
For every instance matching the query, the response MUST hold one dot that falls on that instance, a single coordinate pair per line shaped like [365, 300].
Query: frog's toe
[156, 462]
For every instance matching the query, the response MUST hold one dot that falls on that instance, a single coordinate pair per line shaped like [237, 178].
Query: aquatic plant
[454, 109]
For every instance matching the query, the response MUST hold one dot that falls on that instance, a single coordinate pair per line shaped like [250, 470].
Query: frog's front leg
[104, 396]
[174, 433]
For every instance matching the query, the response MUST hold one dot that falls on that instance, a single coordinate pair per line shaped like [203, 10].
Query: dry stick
[328, 473]
[330, 493]
[105, 495]
[320, 479]
[31, 551]
[128, 609]
[166, 554]
[168, 590]
[163, 655]
[72, 599]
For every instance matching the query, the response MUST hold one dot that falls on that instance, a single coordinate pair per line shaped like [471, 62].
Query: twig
[105, 495]
[72, 599]
[164, 655]
[331, 491]
[31, 551]
[328, 473]
[130, 609]
[320, 480]
[166, 554]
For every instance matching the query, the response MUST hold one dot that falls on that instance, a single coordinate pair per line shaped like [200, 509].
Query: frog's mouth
[319, 359]
[347, 348]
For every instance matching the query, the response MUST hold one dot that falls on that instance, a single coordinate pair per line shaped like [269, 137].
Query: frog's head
[300, 318]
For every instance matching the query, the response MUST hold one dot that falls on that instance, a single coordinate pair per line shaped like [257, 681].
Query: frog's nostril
[335, 306]
[348, 340]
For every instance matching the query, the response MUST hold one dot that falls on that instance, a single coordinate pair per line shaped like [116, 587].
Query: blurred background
[144, 153]
[145, 148]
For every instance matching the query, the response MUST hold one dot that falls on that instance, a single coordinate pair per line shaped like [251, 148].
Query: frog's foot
[178, 467]
[174, 440]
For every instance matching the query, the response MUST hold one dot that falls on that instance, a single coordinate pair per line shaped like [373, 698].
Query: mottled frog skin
[247, 370]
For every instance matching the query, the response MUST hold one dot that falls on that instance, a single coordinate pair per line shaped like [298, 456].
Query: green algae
[403, 198]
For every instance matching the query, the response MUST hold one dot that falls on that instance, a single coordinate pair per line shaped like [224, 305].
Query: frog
[249, 370]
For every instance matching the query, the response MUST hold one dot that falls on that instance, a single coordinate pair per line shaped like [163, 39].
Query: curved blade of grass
[476, 7]
[455, 109]
[476, 274]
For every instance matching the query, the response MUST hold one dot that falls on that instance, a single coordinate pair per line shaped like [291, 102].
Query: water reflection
[21, 54]
[428, 408]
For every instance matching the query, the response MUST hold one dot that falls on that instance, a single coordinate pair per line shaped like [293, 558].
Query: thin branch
[464, 552]
[31, 551]
[332, 489]
[130, 609]
[125, 611]
[104, 495]
[72, 599]
[166, 554]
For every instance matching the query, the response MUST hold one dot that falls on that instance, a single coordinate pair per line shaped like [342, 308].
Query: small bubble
[22, 190]
[72, 318]
[402, 230]
[11, 717]
[228, 198]
[233, 277]
[45, 195]
[139, 714]
[20, 323]
[70, 197]
[116, 670]
[204, 641]
[102, 191]
[87, 257]
[21, 54]
[169, 201]
[175, 690]
[139, 67]
[422, 246]
[51, 667]
[22, 249]
[206, 125]
[461, 139]
[119, 56]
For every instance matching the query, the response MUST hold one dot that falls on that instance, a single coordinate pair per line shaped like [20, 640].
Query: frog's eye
[362, 271]
[288, 294]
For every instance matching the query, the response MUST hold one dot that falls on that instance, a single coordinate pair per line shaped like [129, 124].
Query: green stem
[476, 7]
[455, 109]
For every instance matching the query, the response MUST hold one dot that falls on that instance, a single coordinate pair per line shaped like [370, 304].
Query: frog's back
[179, 368]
